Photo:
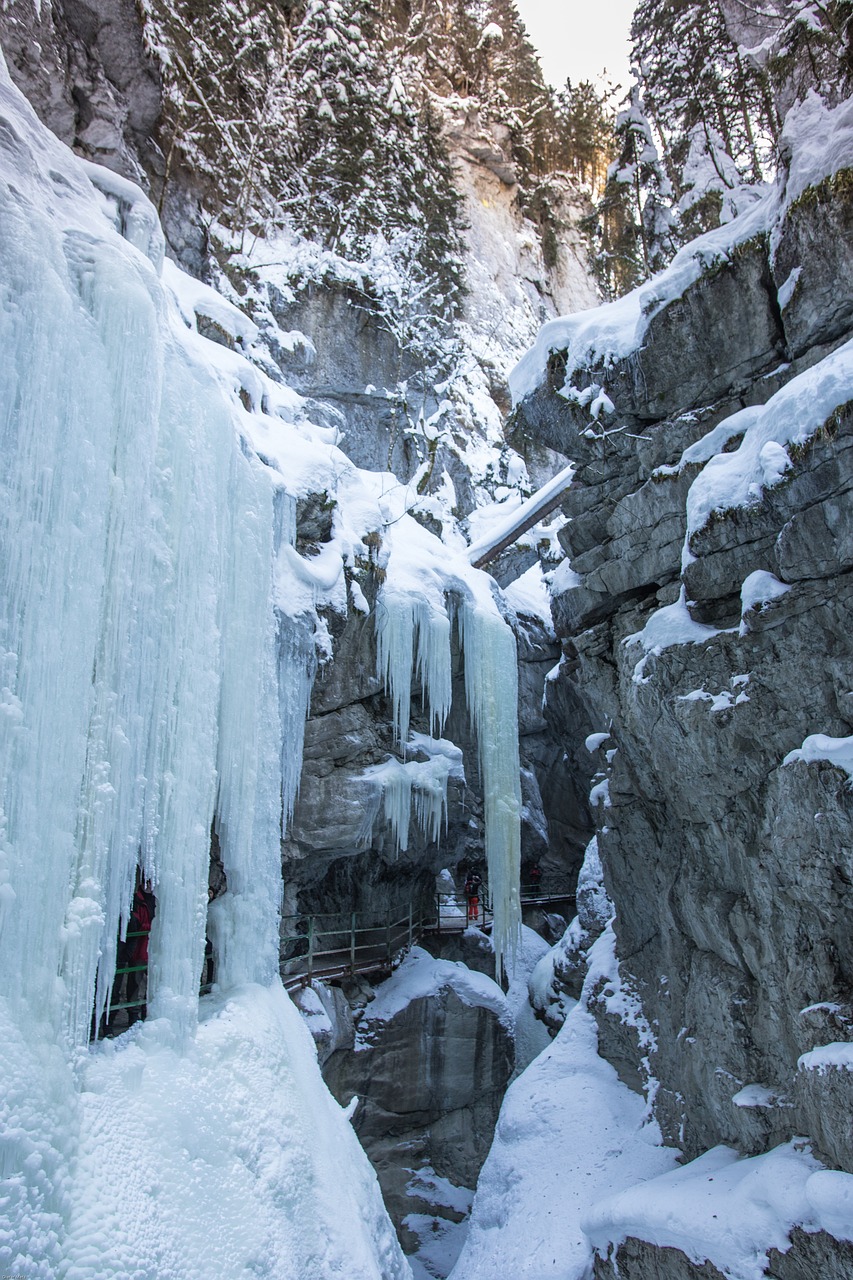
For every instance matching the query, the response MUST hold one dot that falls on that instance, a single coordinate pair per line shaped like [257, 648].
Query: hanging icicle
[491, 691]
[413, 623]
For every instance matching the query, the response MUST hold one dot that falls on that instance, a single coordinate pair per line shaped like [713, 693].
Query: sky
[579, 38]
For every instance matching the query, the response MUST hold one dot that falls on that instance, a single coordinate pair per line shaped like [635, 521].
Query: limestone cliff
[706, 632]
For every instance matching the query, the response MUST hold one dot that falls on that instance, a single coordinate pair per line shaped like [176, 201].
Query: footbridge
[516, 522]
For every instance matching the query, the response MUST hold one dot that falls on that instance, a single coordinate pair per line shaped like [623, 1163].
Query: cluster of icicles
[145, 678]
[414, 642]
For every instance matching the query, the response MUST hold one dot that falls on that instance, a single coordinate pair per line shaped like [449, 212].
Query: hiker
[472, 893]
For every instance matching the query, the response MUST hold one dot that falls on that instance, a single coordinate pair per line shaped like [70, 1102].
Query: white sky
[579, 38]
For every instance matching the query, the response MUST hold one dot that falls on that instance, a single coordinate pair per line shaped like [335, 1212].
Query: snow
[830, 1196]
[440, 1238]
[785, 292]
[545, 991]
[706, 447]
[791, 417]
[758, 589]
[600, 794]
[611, 332]
[825, 1057]
[419, 977]
[722, 701]
[723, 1208]
[569, 1132]
[149, 683]
[530, 597]
[668, 626]
[224, 1158]
[563, 578]
[819, 140]
[759, 1095]
[819, 746]
[197, 299]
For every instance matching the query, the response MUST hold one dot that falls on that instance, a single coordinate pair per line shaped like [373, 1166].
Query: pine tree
[585, 129]
[366, 172]
[708, 105]
[221, 73]
[332, 151]
[812, 48]
[639, 169]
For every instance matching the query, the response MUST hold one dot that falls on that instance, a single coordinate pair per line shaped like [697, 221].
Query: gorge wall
[706, 644]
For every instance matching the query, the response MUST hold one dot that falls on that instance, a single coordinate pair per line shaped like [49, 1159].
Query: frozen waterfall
[414, 616]
[146, 688]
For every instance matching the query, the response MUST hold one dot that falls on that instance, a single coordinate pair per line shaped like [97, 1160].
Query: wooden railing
[340, 945]
[344, 944]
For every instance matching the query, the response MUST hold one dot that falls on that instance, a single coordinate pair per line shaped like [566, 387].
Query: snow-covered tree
[222, 97]
[338, 103]
[808, 44]
[365, 170]
[708, 103]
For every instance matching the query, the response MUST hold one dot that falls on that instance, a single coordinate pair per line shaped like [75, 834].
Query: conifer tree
[812, 47]
[638, 168]
[585, 129]
[331, 152]
[366, 172]
[708, 104]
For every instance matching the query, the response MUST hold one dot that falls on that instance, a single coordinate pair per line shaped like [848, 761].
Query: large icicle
[139, 700]
[491, 691]
[411, 629]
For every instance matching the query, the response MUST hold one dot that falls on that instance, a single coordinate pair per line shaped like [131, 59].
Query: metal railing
[343, 944]
[547, 891]
[110, 1024]
[338, 945]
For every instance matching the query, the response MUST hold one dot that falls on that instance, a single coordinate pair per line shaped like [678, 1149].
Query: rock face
[84, 67]
[809, 1257]
[730, 869]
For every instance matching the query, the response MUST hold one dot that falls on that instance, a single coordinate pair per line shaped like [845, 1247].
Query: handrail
[373, 947]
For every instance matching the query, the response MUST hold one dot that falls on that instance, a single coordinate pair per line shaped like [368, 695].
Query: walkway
[331, 947]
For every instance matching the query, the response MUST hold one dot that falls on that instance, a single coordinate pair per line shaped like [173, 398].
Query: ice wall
[146, 687]
[136, 619]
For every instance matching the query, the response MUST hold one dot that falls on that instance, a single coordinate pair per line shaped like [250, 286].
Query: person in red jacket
[139, 925]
